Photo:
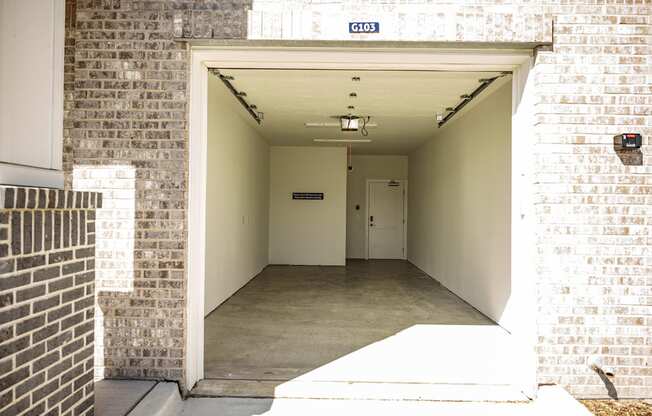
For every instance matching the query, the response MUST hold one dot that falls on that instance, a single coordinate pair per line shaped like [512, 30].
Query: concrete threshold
[164, 400]
[355, 390]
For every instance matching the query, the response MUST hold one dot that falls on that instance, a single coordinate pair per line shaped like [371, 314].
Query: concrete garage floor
[290, 320]
[370, 322]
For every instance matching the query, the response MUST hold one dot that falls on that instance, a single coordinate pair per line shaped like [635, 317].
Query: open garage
[358, 234]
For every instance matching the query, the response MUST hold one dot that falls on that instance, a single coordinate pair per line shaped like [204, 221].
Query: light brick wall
[47, 248]
[594, 204]
[416, 20]
[594, 286]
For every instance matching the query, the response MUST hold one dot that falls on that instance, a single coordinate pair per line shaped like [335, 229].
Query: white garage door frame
[519, 316]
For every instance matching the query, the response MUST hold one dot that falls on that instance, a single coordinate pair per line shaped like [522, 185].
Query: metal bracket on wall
[467, 98]
[257, 115]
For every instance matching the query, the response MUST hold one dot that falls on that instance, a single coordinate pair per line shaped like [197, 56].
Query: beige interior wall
[308, 232]
[459, 206]
[237, 197]
[366, 167]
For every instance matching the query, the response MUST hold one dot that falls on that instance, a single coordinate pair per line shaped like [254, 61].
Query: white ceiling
[402, 103]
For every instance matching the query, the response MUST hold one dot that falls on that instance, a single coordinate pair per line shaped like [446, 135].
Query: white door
[386, 220]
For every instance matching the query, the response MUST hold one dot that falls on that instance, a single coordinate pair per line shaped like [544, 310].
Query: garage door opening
[358, 234]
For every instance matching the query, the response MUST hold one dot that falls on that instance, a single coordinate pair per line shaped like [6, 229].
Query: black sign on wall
[308, 195]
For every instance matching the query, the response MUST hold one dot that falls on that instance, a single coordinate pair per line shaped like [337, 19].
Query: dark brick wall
[47, 261]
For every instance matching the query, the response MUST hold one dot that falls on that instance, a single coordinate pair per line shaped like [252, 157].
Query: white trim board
[20, 175]
[31, 141]
[399, 59]
[56, 117]
[358, 58]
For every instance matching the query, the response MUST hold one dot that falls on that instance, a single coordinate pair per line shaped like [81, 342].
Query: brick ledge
[20, 197]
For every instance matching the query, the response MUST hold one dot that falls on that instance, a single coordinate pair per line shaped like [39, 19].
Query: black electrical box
[628, 141]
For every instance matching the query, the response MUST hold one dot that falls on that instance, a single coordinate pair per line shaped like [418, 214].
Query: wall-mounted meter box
[628, 141]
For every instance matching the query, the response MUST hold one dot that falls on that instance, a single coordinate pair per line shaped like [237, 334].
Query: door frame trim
[404, 183]
[403, 58]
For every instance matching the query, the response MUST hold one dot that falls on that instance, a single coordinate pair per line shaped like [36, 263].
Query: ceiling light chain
[363, 130]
